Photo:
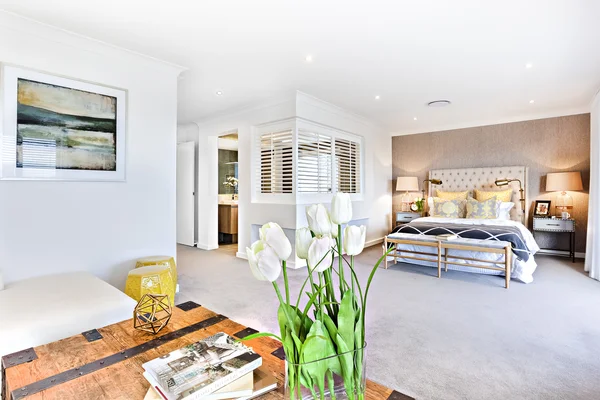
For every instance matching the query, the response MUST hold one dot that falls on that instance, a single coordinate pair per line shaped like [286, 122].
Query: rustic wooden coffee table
[107, 363]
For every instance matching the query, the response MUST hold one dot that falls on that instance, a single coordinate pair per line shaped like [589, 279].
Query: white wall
[376, 203]
[49, 227]
[592, 256]
[248, 213]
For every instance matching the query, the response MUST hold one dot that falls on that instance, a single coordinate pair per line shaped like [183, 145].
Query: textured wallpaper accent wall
[544, 145]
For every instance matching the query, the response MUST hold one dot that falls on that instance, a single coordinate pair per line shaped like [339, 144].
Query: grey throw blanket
[509, 234]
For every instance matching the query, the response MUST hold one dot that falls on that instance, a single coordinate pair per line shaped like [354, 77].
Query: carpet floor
[460, 337]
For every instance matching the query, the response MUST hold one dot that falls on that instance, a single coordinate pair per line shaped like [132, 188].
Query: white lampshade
[407, 184]
[563, 181]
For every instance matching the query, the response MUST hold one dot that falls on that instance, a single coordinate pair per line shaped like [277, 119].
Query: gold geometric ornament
[152, 313]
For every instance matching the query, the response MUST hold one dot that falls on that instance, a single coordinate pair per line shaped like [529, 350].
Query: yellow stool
[153, 279]
[160, 260]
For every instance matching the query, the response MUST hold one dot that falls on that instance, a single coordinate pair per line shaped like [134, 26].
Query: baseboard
[205, 247]
[242, 255]
[374, 242]
[560, 253]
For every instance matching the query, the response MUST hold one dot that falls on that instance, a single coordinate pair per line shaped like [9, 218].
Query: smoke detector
[439, 103]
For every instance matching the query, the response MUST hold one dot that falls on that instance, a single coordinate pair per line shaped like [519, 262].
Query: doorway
[228, 175]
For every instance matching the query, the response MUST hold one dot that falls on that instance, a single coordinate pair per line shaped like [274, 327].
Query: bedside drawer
[553, 225]
[404, 217]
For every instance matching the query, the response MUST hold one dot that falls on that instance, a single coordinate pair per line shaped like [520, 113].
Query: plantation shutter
[347, 161]
[275, 172]
[314, 162]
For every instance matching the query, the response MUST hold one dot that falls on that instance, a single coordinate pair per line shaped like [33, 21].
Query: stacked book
[215, 368]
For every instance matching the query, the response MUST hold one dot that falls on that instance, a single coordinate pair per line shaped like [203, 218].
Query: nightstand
[557, 226]
[404, 217]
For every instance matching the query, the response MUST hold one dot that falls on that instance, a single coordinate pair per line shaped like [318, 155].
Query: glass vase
[347, 383]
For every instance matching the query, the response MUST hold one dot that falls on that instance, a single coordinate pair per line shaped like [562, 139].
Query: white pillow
[430, 203]
[504, 210]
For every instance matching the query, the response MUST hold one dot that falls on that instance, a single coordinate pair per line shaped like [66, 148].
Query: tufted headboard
[460, 179]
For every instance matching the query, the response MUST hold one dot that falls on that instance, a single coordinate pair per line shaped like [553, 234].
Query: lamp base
[564, 203]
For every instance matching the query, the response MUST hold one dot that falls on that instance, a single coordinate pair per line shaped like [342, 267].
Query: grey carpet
[460, 337]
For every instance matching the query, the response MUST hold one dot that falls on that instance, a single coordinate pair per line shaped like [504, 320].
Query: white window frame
[307, 198]
[257, 132]
[296, 124]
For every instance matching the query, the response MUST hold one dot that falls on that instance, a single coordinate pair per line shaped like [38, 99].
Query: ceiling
[471, 52]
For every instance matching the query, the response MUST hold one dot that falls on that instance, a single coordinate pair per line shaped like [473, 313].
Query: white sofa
[48, 308]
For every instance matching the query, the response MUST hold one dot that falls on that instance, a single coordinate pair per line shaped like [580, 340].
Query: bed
[510, 230]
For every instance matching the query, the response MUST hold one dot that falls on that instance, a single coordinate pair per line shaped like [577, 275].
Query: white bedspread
[521, 270]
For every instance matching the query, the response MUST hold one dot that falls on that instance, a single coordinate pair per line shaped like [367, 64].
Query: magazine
[202, 367]
[261, 380]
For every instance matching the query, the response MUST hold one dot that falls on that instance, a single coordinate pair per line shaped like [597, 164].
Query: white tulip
[303, 241]
[275, 237]
[320, 254]
[341, 208]
[264, 262]
[334, 230]
[318, 219]
[354, 239]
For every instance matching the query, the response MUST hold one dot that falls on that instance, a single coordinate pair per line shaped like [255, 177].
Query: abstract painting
[62, 129]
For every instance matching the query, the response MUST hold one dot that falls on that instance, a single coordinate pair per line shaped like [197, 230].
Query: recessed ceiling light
[531, 101]
[439, 103]
[219, 93]
[528, 65]
[308, 58]
[377, 97]
[415, 118]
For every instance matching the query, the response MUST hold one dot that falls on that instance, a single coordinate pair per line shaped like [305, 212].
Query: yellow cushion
[487, 209]
[500, 195]
[453, 195]
[448, 208]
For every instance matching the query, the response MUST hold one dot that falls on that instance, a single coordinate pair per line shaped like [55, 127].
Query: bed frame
[460, 179]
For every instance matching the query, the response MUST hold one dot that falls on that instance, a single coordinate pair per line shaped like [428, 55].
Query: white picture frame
[67, 129]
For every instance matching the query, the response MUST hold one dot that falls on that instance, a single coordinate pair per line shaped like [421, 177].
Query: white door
[185, 193]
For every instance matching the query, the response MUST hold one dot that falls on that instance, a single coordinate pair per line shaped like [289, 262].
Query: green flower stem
[331, 384]
[321, 306]
[355, 280]
[352, 267]
[330, 293]
[285, 310]
[285, 281]
[340, 262]
[312, 286]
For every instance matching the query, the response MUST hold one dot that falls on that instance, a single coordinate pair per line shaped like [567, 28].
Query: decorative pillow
[504, 210]
[452, 195]
[487, 209]
[500, 195]
[448, 208]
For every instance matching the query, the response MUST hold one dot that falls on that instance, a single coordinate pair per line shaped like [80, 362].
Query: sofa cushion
[45, 309]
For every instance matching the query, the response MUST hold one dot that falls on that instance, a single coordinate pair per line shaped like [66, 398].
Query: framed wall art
[55, 128]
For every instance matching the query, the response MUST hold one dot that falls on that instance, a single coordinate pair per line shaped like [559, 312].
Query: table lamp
[407, 184]
[562, 182]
